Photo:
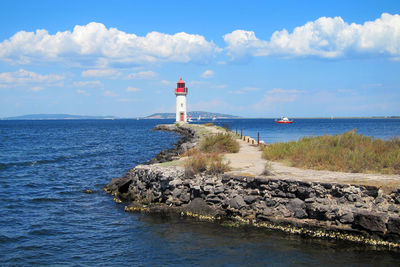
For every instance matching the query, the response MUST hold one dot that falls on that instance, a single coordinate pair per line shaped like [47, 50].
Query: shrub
[209, 124]
[219, 143]
[349, 152]
[210, 163]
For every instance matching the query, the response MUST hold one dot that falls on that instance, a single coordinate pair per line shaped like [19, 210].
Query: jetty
[362, 208]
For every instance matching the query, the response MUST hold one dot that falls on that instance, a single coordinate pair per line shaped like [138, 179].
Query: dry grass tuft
[347, 152]
[219, 143]
[210, 163]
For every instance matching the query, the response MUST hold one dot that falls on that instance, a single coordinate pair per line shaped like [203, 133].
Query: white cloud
[82, 92]
[143, 75]
[207, 74]
[324, 37]
[220, 86]
[94, 45]
[109, 93]
[282, 92]
[133, 89]
[25, 78]
[36, 88]
[100, 73]
[244, 90]
[88, 84]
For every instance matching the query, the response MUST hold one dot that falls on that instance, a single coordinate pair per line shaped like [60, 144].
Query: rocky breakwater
[363, 214]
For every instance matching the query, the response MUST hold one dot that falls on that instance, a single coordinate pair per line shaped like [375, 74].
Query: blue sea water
[47, 219]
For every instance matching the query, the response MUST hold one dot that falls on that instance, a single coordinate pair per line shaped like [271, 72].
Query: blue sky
[253, 59]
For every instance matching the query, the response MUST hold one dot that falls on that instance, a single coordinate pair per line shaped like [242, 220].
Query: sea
[47, 219]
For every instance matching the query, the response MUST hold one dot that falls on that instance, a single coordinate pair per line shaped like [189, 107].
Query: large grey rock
[237, 203]
[372, 222]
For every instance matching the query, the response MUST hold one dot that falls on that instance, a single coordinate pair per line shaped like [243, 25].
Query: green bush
[348, 152]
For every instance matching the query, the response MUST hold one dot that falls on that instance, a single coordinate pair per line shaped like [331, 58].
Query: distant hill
[194, 114]
[58, 117]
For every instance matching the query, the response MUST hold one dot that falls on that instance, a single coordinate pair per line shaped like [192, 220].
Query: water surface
[47, 219]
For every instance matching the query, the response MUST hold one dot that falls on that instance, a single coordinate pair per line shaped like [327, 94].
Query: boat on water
[214, 118]
[190, 119]
[284, 120]
[199, 118]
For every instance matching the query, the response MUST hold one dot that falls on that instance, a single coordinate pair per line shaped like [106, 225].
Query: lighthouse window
[182, 105]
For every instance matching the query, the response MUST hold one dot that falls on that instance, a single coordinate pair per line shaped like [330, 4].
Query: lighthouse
[181, 92]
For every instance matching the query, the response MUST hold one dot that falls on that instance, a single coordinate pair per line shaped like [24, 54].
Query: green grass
[209, 124]
[347, 152]
[219, 143]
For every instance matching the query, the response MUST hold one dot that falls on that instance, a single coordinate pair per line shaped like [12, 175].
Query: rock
[372, 222]
[393, 225]
[213, 199]
[347, 217]
[185, 197]
[208, 189]
[297, 206]
[218, 190]
[250, 199]
[88, 191]
[237, 203]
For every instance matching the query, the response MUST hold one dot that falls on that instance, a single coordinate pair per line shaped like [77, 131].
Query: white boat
[199, 118]
[284, 120]
[190, 119]
[214, 118]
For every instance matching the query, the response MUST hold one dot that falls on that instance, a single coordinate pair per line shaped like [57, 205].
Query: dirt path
[249, 162]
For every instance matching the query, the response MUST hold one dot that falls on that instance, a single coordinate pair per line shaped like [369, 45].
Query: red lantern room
[180, 88]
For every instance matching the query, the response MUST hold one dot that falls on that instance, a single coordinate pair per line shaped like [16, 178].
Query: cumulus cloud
[109, 93]
[100, 73]
[207, 74]
[142, 75]
[325, 38]
[244, 90]
[133, 89]
[94, 44]
[25, 78]
[88, 84]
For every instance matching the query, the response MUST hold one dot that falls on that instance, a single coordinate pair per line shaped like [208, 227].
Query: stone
[347, 217]
[297, 206]
[250, 199]
[213, 199]
[393, 225]
[237, 203]
[372, 222]
[208, 189]
[270, 202]
[218, 190]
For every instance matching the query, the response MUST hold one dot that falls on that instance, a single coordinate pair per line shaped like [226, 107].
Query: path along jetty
[362, 208]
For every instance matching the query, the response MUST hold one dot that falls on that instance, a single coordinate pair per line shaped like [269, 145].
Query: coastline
[358, 213]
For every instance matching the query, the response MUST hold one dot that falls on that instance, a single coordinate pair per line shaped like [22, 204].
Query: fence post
[241, 133]
[258, 138]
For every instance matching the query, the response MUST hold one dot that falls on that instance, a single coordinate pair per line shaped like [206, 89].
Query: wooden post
[241, 133]
[258, 138]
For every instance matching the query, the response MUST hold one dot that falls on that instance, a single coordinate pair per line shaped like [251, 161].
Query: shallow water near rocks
[46, 218]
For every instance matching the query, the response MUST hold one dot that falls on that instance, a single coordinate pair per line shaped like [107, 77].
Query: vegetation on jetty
[347, 152]
[207, 157]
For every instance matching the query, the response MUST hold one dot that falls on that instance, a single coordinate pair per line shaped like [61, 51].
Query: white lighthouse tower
[181, 92]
